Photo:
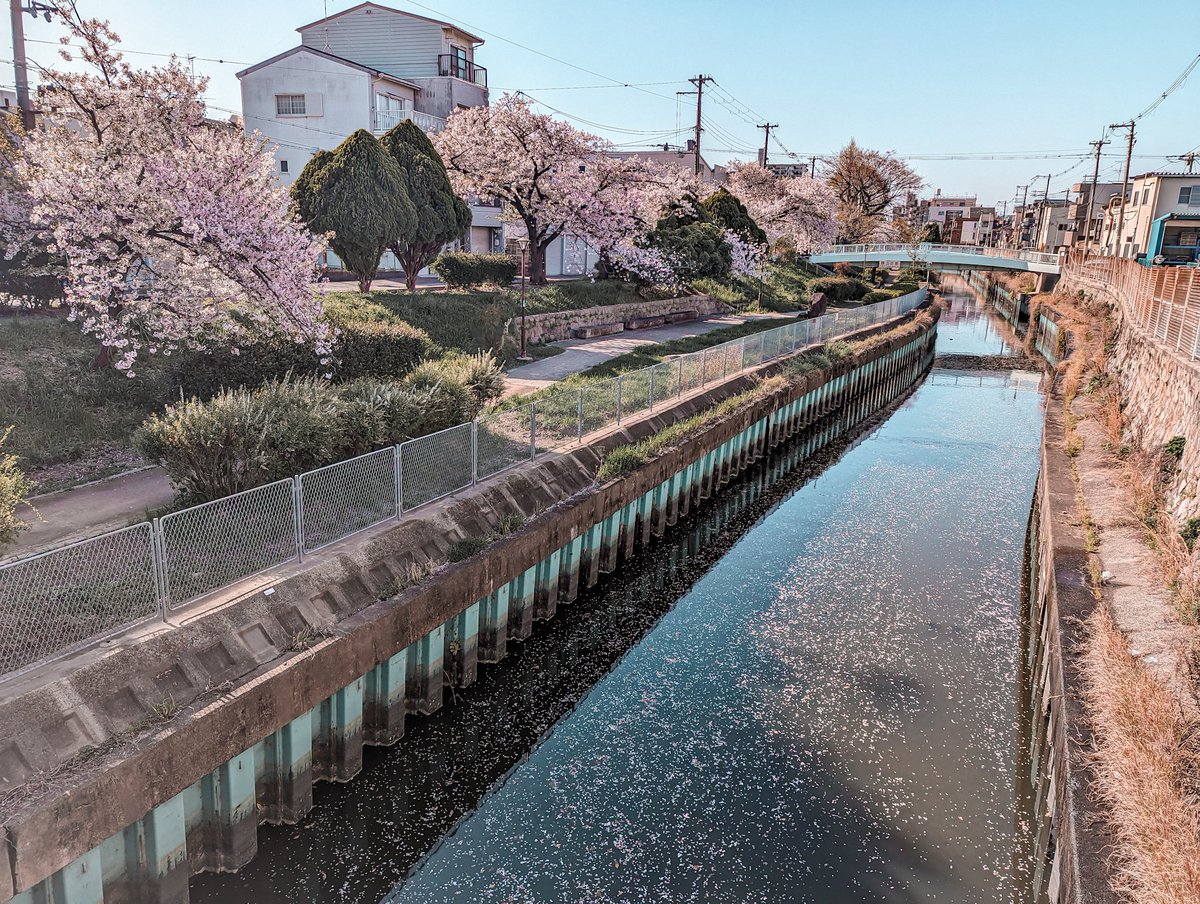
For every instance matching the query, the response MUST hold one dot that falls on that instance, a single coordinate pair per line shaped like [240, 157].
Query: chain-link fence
[437, 465]
[344, 498]
[60, 599]
[215, 544]
[53, 602]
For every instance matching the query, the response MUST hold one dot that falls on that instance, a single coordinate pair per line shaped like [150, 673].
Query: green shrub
[463, 270]
[1174, 446]
[454, 403]
[15, 488]
[368, 348]
[1190, 531]
[467, 547]
[903, 288]
[878, 295]
[243, 438]
[480, 373]
[839, 288]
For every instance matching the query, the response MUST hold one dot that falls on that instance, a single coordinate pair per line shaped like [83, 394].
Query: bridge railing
[67, 598]
[922, 251]
[1163, 301]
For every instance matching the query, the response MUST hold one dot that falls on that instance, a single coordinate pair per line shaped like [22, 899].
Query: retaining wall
[558, 325]
[1070, 843]
[286, 685]
[1160, 389]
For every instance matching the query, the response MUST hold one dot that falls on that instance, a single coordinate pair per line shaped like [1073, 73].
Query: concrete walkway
[582, 354]
[95, 508]
[91, 509]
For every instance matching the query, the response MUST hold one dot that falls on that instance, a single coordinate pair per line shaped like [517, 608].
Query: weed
[165, 709]
[1174, 447]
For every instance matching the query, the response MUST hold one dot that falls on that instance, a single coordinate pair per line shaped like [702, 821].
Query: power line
[1174, 86]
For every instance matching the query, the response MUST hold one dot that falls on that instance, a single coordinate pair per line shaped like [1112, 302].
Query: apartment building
[939, 207]
[1081, 230]
[1161, 220]
[367, 67]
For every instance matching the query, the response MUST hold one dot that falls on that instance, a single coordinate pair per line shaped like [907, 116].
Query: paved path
[91, 509]
[95, 508]
[581, 354]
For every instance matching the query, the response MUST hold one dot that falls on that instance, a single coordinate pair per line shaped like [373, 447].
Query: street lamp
[524, 356]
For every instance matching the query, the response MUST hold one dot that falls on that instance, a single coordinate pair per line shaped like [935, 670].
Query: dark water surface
[807, 694]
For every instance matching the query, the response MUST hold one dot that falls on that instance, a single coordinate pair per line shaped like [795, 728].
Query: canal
[806, 693]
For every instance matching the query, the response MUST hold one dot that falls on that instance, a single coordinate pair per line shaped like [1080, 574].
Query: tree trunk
[103, 358]
[537, 263]
[364, 283]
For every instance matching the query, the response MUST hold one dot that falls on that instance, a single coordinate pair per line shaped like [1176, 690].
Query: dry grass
[1145, 764]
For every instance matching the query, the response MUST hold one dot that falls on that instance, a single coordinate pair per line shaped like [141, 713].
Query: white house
[367, 67]
[1162, 217]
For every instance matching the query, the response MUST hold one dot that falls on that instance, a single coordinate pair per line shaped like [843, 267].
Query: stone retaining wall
[558, 325]
[1161, 394]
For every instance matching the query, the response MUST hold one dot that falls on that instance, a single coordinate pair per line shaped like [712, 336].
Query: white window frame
[289, 101]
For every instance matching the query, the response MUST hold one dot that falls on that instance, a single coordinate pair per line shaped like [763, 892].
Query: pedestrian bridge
[967, 257]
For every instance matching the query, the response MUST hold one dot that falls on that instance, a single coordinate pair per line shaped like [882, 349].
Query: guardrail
[59, 601]
[921, 252]
[1163, 301]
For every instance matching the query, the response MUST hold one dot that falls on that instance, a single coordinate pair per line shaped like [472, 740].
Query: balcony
[386, 119]
[457, 67]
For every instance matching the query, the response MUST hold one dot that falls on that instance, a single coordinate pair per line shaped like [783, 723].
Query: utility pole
[1087, 226]
[766, 127]
[699, 81]
[812, 168]
[1190, 158]
[1018, 228]
[15, 8]
[1124, 182]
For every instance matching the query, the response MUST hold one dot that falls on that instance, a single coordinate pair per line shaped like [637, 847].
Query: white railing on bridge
[71, 596]
[925, 250]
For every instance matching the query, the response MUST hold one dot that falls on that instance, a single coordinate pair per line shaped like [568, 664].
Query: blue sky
[928, 77]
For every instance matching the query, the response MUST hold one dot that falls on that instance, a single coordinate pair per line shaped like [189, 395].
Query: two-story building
[1161, 219]
[367, 67]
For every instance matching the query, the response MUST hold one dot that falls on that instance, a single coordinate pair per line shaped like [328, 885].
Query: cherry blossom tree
[172, 228]
[797, 210]
[867, 184]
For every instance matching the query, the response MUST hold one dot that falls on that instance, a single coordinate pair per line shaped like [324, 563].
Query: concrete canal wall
[159, 757]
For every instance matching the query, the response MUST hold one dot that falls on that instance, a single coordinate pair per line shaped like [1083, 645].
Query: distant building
[367, 67]
[939, 207]
[1162, 218]
[1052, 225]
[974, 226]
[1080, 230]
[788, 169]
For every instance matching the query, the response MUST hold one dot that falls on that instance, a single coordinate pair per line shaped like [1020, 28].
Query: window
[289, 104]
[1190, 195]
[283, 166]
[1145, 195]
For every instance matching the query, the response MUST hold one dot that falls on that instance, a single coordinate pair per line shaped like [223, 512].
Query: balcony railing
[457, 67]
[386, 119]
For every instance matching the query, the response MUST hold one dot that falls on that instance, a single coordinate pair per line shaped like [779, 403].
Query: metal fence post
[724, 360]
[743, 365]
[704, 367]
[762, 346]
[474, 452]
[618, 399]
[533, 430]
[298, 515]
[652, 369]
[579, 431]
[399, 477]
[158, 562]
[679, 382]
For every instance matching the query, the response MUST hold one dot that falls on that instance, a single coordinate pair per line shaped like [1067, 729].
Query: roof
[329, 56]
[1169, 175]
[475, 39]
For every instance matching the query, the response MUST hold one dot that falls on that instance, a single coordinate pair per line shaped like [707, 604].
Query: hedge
[463, 270]
[376, 349]
[839, 288]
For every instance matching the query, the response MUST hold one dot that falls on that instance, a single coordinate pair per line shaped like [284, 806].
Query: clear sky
[930, 77]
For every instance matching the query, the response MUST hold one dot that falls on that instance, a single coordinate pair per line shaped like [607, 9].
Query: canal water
[808, 693]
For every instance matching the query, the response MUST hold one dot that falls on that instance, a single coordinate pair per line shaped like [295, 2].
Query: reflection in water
[827, 715]
[964, 329]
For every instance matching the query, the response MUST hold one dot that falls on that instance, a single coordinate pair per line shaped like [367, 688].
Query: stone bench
[641, 323]
[679, 316]
[597, 329]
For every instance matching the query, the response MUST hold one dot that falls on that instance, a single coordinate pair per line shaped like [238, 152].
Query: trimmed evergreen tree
[442, 216]
[724, 209]
[356, 193]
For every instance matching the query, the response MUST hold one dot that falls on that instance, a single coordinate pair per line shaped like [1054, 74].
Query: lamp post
[524, 356]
